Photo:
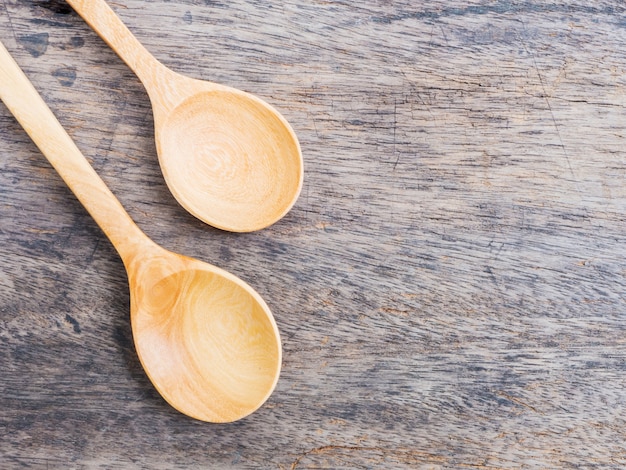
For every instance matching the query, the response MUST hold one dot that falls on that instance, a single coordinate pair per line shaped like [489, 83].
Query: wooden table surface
[450, 286]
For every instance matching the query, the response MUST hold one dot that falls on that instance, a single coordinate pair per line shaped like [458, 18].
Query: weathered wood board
[450, 286]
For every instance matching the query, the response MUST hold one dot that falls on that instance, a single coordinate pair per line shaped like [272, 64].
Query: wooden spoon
[205, 338]
[227, 156]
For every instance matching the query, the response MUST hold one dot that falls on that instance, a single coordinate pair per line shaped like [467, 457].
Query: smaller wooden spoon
[228, 157]
[205, 338]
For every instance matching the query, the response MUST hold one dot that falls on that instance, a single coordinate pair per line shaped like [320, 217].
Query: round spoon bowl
[208, 342]
[230, 159]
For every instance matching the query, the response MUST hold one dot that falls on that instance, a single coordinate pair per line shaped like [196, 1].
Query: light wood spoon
[205, 338]
[227, 156]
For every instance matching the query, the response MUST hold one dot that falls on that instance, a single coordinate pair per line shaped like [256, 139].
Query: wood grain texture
[450, 286]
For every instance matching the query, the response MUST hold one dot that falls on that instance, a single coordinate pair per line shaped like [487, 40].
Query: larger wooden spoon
[227, 156]
[205, 338]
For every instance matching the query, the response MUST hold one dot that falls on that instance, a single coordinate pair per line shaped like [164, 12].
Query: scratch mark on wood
[395, 129]
[518, 402]
[547, 99]
[395, 311]
[6, 10]
[556, 125]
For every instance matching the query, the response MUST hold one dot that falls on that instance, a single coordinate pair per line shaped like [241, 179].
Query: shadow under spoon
[206, 339]
[228, 157]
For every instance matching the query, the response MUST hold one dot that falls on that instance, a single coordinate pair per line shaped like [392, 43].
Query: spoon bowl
[206, 339]
[237, 155]
[228, 157]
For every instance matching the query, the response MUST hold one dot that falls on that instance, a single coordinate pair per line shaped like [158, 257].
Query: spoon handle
[114, 32]
[21, 98]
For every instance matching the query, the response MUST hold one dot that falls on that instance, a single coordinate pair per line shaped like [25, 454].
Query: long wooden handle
[21, 98]
[114, 32]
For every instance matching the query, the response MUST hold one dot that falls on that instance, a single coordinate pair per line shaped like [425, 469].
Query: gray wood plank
[450, 286]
